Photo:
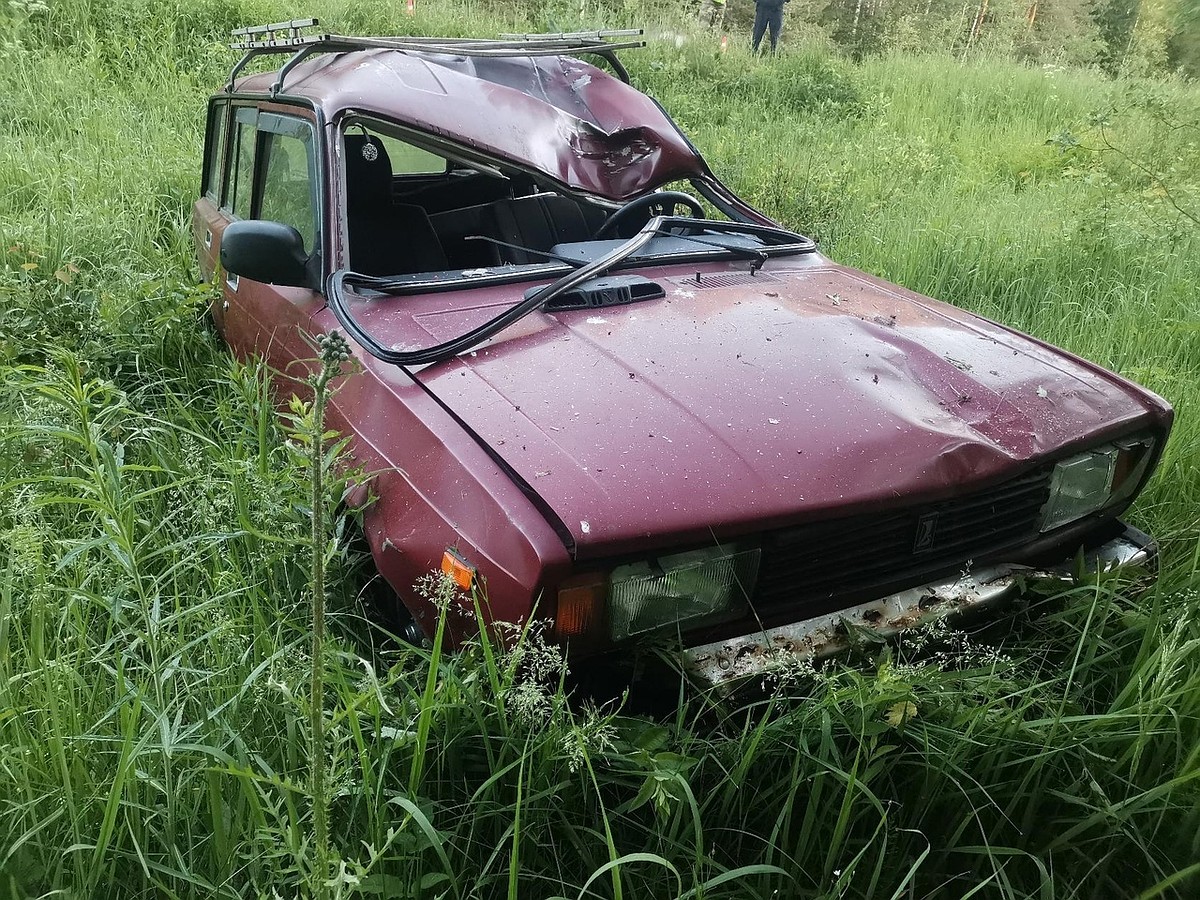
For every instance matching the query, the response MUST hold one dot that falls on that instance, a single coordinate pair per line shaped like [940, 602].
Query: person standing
[768, 14]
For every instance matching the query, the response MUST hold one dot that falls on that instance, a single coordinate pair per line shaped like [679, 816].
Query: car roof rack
[288, 37]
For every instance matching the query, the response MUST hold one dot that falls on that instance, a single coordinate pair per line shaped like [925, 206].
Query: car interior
[448, 215]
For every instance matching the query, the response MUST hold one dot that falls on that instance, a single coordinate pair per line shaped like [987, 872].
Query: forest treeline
[1135, 38]
[1130, 37]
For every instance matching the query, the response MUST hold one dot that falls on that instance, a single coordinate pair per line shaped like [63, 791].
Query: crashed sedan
[593, 383]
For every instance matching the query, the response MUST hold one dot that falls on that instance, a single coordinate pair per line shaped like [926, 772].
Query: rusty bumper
[725, 663]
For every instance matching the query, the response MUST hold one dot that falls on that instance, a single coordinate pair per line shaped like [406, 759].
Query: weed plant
[156, 670]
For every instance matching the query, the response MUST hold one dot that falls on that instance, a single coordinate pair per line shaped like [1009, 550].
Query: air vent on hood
[725, 279]
[599, 292]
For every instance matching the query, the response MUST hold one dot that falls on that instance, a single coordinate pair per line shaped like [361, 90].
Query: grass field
[154, 563]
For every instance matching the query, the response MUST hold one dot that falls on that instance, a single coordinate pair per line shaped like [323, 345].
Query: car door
[269, 171]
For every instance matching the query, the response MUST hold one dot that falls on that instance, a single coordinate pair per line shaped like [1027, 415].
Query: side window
[214, 150]
[271, 171]
[288, 189]
[239, 193]
[409, 160]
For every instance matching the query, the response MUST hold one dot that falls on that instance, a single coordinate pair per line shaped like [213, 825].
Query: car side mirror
[270, 252]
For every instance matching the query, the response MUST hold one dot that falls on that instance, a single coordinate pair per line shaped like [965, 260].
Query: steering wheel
[660, 203]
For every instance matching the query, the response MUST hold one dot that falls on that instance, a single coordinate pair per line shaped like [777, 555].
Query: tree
[1183, 48]
[1115, 20]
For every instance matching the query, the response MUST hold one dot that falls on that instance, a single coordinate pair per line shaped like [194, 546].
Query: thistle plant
[332, 352]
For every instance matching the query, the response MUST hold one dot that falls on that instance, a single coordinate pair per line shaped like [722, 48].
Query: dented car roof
[558, 115]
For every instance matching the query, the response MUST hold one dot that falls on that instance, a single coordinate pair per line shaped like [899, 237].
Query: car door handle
[207, 239]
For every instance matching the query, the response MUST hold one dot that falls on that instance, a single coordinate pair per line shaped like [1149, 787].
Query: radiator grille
[831, 559]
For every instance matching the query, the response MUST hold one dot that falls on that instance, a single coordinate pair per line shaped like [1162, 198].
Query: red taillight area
[581, 606]
[458, 569]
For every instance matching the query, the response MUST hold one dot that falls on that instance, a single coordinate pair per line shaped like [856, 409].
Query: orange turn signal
[581, 605]
[459, 571]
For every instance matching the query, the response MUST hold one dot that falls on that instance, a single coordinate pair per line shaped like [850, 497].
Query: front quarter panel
[430, 487]
[425, 484]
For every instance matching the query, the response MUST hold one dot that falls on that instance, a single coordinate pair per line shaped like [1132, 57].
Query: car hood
[742, 402]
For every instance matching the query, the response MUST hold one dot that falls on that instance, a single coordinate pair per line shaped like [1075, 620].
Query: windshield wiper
[758, 258]
[783, 239]
[341, 309]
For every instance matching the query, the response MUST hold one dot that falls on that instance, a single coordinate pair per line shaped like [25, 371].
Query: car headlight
[695, 588]
[1095, 479]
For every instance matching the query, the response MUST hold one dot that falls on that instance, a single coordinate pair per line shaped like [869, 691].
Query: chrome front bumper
[725, 663]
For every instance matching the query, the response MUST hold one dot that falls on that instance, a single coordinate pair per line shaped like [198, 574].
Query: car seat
[386, 238]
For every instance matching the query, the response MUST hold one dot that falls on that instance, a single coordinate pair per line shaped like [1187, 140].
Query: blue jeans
[767, 15]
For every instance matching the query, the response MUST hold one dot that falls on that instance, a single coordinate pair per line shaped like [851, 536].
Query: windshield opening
[416, 216]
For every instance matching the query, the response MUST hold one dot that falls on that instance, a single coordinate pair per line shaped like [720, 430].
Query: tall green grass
[155, 711]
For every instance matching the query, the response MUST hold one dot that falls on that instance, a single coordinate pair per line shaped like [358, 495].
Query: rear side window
[215, 150]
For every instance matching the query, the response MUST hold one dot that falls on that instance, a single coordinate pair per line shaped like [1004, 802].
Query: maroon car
[597, 385]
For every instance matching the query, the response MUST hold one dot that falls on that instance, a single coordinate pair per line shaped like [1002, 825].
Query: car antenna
[289, 37]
